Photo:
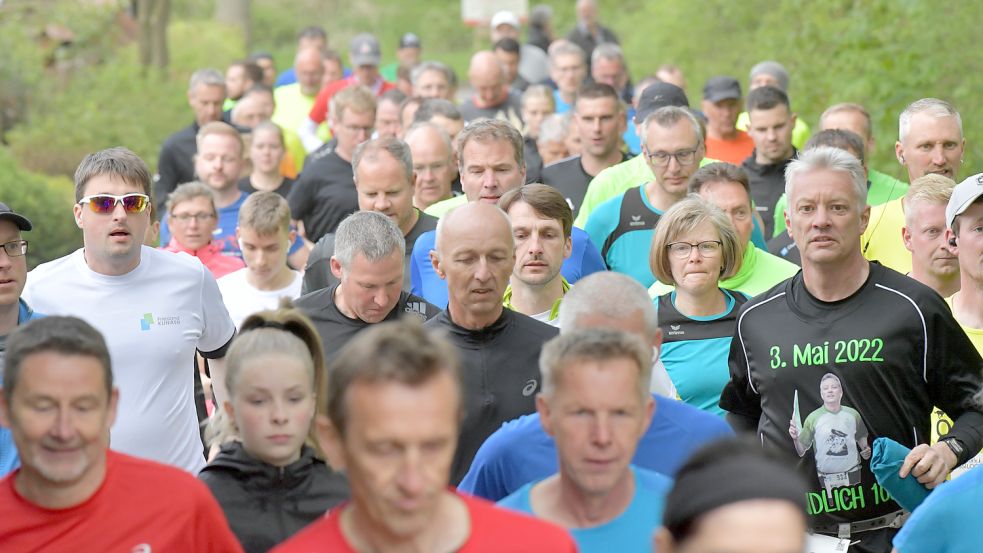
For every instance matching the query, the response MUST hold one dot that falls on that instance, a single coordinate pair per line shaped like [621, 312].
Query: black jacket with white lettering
[895, 351]
[500, 372]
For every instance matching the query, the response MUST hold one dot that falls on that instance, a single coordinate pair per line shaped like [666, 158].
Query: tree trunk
[236, 13]
[153, 16]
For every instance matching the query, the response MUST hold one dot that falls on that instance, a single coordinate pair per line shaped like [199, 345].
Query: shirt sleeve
[319, 111]
[166, 176]
[317, 274]
[738, 396]
[299, 199]
[218, 326]
[420, 254]
[592, 261]
[953, 374]
[165, 231]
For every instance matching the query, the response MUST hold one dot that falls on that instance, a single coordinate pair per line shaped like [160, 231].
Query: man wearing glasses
[154, 308]
[622, 227]
[14, 311]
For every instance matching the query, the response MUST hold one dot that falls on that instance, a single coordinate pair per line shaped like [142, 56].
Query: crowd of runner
[549, 306]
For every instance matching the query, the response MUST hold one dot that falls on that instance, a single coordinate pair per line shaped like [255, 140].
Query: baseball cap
[365, 50]
[963, 196]
[504, 18]
[722, 88]
[659, 95]
[23, 223]
[409, 40]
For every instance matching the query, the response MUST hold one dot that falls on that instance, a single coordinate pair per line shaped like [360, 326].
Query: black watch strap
[957, 447]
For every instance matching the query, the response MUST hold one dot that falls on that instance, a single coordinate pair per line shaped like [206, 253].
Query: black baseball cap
[23, 223]
[659, 95]
[722, 88]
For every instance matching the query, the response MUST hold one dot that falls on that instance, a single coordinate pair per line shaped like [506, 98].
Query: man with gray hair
[383, 174]
[175, 164]
[608, 66]
[433, 79]
[891, 341]
[930, 141]
[521, 451]
[367, 264]
[568, 69]
[433, 164]
[623, 226]
[595, 403]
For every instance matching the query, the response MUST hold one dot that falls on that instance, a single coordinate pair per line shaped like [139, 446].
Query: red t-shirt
[493, 530]
[319, 111]
[732, 151]
[142, 506]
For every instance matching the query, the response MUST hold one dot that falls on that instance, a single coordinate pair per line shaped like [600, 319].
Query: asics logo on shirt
[530, 388]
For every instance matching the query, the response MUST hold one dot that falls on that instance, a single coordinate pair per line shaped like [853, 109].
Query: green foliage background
[881, 53]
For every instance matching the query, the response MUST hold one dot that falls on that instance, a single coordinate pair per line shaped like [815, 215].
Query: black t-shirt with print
[895, 351]
[324, 193]
[336, 329]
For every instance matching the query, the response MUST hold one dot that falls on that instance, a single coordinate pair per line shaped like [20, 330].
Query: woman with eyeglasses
[693, 248]
[192, 218]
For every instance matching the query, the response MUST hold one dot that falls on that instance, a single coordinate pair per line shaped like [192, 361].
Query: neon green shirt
[883, 188]
[546, 317]
[882, 239]
[292, 108]
[614, 181]
[442, 207]
[760, 271]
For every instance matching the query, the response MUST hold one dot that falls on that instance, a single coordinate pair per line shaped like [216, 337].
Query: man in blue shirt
[596, 404]
[521, 451]
[13, 310]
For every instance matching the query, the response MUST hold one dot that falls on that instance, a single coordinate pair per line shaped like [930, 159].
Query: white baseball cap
[963, 196]
[504, 18]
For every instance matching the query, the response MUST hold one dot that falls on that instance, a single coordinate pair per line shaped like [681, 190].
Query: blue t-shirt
[584, 260]
[623, 227]
[629, 532]
[948, 521]
[521, 451]
[695, 349]
[561, 106]
[8, 451]
[225, 232]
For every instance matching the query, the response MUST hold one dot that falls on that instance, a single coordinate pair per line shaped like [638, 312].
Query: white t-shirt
[242, 300]
[153, 319]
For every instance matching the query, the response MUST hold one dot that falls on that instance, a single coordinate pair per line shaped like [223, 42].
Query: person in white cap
[964, 219]
[533, 63]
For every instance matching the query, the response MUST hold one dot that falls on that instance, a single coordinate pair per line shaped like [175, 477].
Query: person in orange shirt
[722, 104]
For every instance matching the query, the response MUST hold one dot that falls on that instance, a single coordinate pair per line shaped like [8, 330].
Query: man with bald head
[499, 347]
[491, 99]
[433, 164]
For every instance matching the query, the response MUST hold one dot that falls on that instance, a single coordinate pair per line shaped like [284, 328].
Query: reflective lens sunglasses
[106, 203]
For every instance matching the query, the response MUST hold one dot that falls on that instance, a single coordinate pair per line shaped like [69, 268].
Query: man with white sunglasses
[154, 308]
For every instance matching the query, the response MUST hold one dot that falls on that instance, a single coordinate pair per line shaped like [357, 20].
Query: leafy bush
[47, 202]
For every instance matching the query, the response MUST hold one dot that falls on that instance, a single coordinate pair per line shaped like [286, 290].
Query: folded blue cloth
[885, 463]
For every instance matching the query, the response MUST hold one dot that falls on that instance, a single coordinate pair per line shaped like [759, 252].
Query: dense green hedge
[47, 202]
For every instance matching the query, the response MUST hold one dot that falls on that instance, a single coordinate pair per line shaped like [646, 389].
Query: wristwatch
[956, 446]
